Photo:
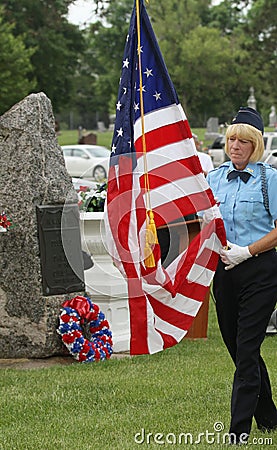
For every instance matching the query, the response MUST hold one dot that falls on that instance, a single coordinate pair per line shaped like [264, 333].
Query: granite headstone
[212, 128]
[33, 174]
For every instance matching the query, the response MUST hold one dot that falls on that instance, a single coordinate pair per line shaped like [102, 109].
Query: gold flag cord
[151, 232]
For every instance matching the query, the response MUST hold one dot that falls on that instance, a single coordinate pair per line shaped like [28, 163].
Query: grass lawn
[69, 137]
[185, 389]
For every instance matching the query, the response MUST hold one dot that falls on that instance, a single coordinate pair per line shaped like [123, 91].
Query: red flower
[74, 318]
[97, 353]
[65, 318]
[82, 356]
[86, 346]
[68, 338]
[4, 221]
[80, 304]
[92, 316]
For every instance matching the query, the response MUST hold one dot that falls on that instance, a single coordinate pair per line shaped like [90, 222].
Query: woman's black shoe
[266, 428]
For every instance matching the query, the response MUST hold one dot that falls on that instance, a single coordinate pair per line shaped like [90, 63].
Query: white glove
[235, 255]
[211, 213]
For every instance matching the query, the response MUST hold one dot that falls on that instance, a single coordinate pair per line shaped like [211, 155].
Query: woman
[245, 283]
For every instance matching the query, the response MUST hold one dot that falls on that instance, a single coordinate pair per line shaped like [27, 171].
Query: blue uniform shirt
[241, 204]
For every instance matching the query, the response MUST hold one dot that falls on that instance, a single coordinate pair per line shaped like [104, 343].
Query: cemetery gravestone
[272, 117]
[212, 128]
[33, 175]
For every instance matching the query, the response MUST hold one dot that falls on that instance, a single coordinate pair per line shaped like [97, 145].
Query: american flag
[163, 302]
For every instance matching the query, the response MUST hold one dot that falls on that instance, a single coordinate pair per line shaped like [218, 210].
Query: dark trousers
[245, 298]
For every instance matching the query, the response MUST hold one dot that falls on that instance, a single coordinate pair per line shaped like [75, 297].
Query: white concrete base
[104, 283]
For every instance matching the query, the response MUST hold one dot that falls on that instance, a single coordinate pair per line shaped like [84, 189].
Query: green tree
[227, 16]
[98, 78]
[58, 44]
[205, 63]
[15, 67]
[261, 32]
[254, 24]
[214, 54]
[207, 74]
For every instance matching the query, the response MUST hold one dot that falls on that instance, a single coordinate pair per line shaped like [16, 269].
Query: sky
[80, 13]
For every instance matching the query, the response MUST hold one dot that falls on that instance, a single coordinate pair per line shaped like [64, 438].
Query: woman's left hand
[234, 255]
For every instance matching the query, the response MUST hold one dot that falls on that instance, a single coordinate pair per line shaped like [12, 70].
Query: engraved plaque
[60, 249]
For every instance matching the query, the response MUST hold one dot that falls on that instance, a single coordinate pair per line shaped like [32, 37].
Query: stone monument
[272, 117]
[251, 101]
[33, 174]
[212, 128]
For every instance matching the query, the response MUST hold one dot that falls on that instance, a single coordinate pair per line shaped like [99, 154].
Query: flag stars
[119, 132]
[140, 50]
[157, 96]
[126, 63]
[113, 148]
[148, 72]
[124, 90]
[118, 105]
[142, 88]
[136, 107]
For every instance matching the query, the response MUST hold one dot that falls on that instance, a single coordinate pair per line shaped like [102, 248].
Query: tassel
[151, 239]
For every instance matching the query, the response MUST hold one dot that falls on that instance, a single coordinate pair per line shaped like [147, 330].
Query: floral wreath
[78, 312]
[5, 221]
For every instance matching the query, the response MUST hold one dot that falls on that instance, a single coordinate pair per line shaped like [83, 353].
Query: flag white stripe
[175, 190]
[158, 119]
[212, 243]
[200, 275]
[168, 328]
[179, 303]
[167, 154]
[154, 339]
[133, 239]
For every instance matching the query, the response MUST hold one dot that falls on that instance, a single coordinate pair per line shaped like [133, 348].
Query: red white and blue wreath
[80, 312]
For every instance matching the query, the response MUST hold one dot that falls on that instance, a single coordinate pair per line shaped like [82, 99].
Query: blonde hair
[245, 131]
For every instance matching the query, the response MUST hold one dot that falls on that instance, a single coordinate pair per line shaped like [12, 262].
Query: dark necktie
[235, 173]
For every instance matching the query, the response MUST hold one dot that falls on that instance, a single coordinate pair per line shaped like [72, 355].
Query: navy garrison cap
[249, 116]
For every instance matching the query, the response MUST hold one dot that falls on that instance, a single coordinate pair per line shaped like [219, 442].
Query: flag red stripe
[207, 259]
[170, 315]
[184, 206]
[138, 319]
[168, 340]
[165, 135]
[173, 171]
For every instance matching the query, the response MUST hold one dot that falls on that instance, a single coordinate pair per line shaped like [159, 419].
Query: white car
[81, 184]
[218, 155]
[87, 161]
[272, 158]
